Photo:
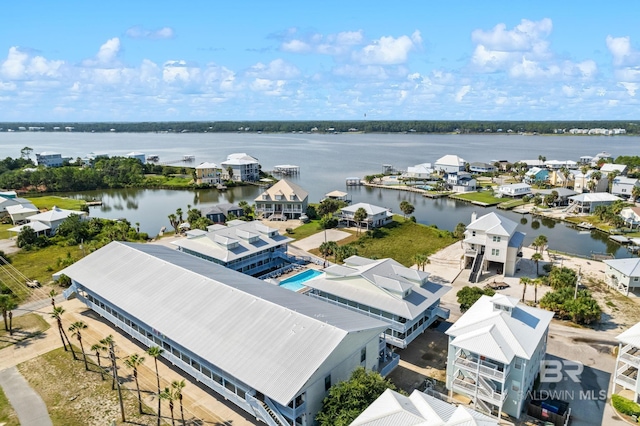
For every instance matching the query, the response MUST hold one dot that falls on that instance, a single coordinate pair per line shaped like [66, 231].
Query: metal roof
[56, 213]
[381, 284]
[274, 340]
[499, 334]
[493, 224]
[630, 336]
[591, 197]
[629, 267]
[369, 208]
[394, 409]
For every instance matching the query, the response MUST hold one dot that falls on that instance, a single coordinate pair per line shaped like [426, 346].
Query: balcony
[631, 355]
[472, 389]
[626, 380]
[441, 312]
[472, 364]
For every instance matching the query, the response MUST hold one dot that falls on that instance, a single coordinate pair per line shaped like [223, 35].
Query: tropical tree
[539, 243]
[562, 277]
[359, 216]
[536, 283]
[537, 257]
[328, 248]
[347, 399]
[27, 237]
[524, 281]
[458, 232]
[52, 294]
[406, 208]
[343, 252]
[635, 193]
[177, 386]
[467, 296]
[591, 185]
[133, 361]
[97, 348]
[173, 221]
[76, 330]
[421, 260]
[108, 343]
[168, 395]
[57, 314]
[230, 172]
[7, 304]
[155, 352]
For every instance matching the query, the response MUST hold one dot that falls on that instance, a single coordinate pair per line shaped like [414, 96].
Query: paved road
[30, 408]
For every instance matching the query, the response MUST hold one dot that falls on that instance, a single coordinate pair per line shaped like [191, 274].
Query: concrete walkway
[30, 408]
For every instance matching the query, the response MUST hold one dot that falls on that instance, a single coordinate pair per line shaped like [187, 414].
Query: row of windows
[360, 307]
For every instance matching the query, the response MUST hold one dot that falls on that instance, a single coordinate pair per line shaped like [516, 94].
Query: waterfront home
[418, 172]
[208, 173]
[491, 242]
[536, 175]
[532, 163]
[376, 216]
[558, 164]
[562, 193]
[587, 183]
[631, 216]
[49, 221]
[495, 352]
[623, 186]
[241, 167]
[19, 213]
[623, 274]
[449, 164]
[461, 182]
[628, 362]
[384, 289]
[49, 159]
[91, 157]
[514, 190]
[338, 196]
[601, 157]
[587, 203]
[248, 247]
[137, 155]
[557, 178]
[269, 351]
[393, 408]
[478, 167]
[284, 200]
[220, 212]
[608, 168]
[8, 200]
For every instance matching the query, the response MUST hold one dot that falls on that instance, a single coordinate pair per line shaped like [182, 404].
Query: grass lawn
[8, 416]
[178, 181]
[38, 264]
[482, 197]
[24, 327]
[401, 240]
[305, 230]
[4, 234]
[75, 397]
[48, 201]
[508, 205]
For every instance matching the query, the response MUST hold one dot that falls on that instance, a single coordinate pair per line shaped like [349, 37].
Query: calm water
[325, 162]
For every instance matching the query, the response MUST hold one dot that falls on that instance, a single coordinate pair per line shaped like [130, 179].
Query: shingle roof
[284, 188]
[274, 340]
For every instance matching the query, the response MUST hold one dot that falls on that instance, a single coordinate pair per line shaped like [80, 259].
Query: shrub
[289, 230]
[64, 281]
[467, 296]
[625, 406]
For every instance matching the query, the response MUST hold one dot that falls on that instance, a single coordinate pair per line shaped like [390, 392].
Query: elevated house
[241, 167]
[628, 362]
[536, 175]
[208, 173]
[221, 212]
[338, 196]
[393, 408]
[587, 203]
[563, 195]
[376, 216]
[623, 186]
[623, 274]
[48, 222]
[514, 190]
[384, 289]
[461, 182]
[269, 351]
[601, 157]
[9, 200]
[19, 213]
[418, 172]
[449, 164]
[558, 164]
[558, 178]
[609, 168]
[284, 200]
[495, 352]
[588, 183]
[248, 247]
[49, 159]
[491, 242]
[631, 216]
[479, 167]
[137, 155]
[533, 163]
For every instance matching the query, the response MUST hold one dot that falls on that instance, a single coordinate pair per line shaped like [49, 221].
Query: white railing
[487, 369]
[626, 379]
[442, 312]
[635, 360]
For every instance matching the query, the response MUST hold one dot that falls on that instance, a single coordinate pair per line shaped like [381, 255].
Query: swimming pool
[296, 282]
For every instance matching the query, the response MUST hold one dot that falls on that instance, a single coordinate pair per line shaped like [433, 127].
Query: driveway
[315, 240]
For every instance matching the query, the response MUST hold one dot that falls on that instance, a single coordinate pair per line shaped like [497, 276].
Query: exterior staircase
[273, 415]
[476, 269]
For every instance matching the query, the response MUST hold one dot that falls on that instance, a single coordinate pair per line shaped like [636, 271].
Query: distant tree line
[378, 126]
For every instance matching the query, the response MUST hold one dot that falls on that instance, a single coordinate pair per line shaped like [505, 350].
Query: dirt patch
[618, 310]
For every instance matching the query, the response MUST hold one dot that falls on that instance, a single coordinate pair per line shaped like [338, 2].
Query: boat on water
[153, 158]
[188, 157]
[585, 225]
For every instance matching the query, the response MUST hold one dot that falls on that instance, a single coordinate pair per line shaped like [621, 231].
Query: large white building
[449, 164]
[587, 202]
[628, 362]
[241, 167]
[495, 352]
[623, 186]
[491, 242]
[394, 409]
[376, 216]
[248, 247]
[284, 200]
[623, 274]
[514, 190]
[272, 352]
[208, 173]
[386, 290]
[49, 159]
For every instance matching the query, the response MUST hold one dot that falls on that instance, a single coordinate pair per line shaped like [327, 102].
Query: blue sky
[293, 60]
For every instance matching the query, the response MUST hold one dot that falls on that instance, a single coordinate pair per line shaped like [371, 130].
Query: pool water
[297, 281]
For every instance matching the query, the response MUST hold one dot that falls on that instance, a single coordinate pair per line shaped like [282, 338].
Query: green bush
[625, 406]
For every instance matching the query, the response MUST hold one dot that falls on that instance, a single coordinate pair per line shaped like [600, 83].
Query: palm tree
[7, 304]
[328, 248]
[168, 395]
[537, 282]
[57, 314]
[52, 294]
[97, 348]
[155, 352]
[359, 216]
[540, 242]
[133, 362]
[107, 342]
[537, 257]
[421, 260]
[75, 329]
[524, 281]
[177, 386]
[635, 193]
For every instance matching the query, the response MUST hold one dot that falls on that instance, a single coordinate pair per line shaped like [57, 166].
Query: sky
[331, 60]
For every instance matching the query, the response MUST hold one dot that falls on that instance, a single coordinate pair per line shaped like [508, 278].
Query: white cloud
[622, 52]
[631, 88]
[460, 94]
[278, 69]
[331, 44]
[107, 55]
[389, 50]
[143, 33]
[527, 36]
[19, 65]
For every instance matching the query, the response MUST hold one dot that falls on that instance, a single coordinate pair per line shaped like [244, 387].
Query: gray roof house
[623, 274]
[269, 351]
[376, 216]
[623, 186]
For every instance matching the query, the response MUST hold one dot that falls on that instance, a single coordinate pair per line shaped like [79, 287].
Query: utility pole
[575, 294]
[112, 353]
